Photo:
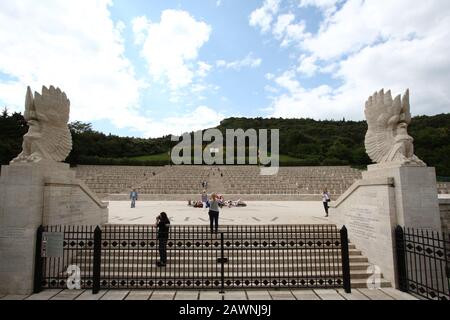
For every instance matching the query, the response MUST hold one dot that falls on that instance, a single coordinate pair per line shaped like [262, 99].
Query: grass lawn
[159, 156]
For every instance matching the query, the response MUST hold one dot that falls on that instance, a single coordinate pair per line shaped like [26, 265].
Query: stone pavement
[256, 212]
[314, 294]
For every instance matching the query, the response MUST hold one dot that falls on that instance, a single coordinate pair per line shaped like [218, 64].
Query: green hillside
[304, 142]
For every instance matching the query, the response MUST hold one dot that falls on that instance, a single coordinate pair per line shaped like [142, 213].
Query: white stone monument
[37, 189]
[399, 190]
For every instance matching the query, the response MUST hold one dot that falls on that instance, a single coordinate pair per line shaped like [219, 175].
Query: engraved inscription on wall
[363, 221]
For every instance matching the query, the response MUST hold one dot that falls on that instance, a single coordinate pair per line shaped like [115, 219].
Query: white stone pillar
[21, 212]
[416, 197]
[387, 195]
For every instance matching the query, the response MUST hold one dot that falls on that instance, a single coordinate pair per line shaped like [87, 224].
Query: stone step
[240, 235]
[206, 235]
[215, 252]
[362, 283]
[143, 267]
[166, 273]
[183, 259]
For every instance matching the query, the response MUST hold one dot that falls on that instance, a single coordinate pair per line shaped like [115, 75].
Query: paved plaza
[256, 213]
[316, 294]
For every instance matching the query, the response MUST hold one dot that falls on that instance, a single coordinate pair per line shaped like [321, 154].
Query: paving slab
[88, 295]
[328, 294]
[210, 295]
[139, 295]
[355, 295]
[162, 295]
[68, 294]
[375, 294]
[256, 213]
[305, 295]
[235, 295]
[115, 295]
[281, 295]
[397, 294]
[15, 297]
[187, 295]
[44, 295]
[258, 295]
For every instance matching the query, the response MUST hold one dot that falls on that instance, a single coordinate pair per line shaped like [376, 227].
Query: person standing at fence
[214, 213]
[326, 200]
[163, 226]
[133, 197]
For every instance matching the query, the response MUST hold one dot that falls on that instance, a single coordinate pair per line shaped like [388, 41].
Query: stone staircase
[215, 182]
[251, 258]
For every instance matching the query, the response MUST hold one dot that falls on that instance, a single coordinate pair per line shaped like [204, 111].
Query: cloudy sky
[148, 68]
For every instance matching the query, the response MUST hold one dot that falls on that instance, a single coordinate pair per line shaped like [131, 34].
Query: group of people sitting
[204, 202]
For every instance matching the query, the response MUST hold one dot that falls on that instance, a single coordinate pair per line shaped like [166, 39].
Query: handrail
[83, 187]
[362, 183]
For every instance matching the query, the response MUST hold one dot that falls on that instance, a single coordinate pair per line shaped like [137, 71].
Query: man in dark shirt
[163, 226]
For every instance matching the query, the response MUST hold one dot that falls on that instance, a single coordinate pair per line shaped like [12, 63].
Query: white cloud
[263, 17]
[139, 25]
[364, 23]
[327, 6]
[270, 89]
[76, 46]
[287, 81]
[171, 45]
[200, 118]
[218, 3]
[369, 45]
[221, 63]
[308, 66]
[287, 31]
[283, 21]
[198, 88]
[203, 69]
[249, 61]
[73, 45]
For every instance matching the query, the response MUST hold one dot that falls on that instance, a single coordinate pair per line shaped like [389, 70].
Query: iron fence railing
[423, 262]
[264, 256]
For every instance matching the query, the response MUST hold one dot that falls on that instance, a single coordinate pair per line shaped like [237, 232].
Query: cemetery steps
[229, 180]
[159, 183]
[249, 258]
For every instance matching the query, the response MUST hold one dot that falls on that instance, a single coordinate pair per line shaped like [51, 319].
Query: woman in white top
[325, 200]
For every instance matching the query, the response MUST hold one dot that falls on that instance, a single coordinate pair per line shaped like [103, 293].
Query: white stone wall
[444, 207]
[25, 203]
[72, 203]
[368, 212]
[387, 196]
[415, 193]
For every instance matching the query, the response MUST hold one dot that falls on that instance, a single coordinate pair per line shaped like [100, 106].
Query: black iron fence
[125, 256]
[423, 262]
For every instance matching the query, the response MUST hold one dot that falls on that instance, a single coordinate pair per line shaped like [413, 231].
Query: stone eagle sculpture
[387, 139]
[48, 136]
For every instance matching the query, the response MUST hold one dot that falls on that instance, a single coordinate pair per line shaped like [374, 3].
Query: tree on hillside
[308, 141]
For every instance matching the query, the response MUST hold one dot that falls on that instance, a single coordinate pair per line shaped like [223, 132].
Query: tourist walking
[163, 226]
[133, 197]
[214, 213]
[326, 199]
[204, 199]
